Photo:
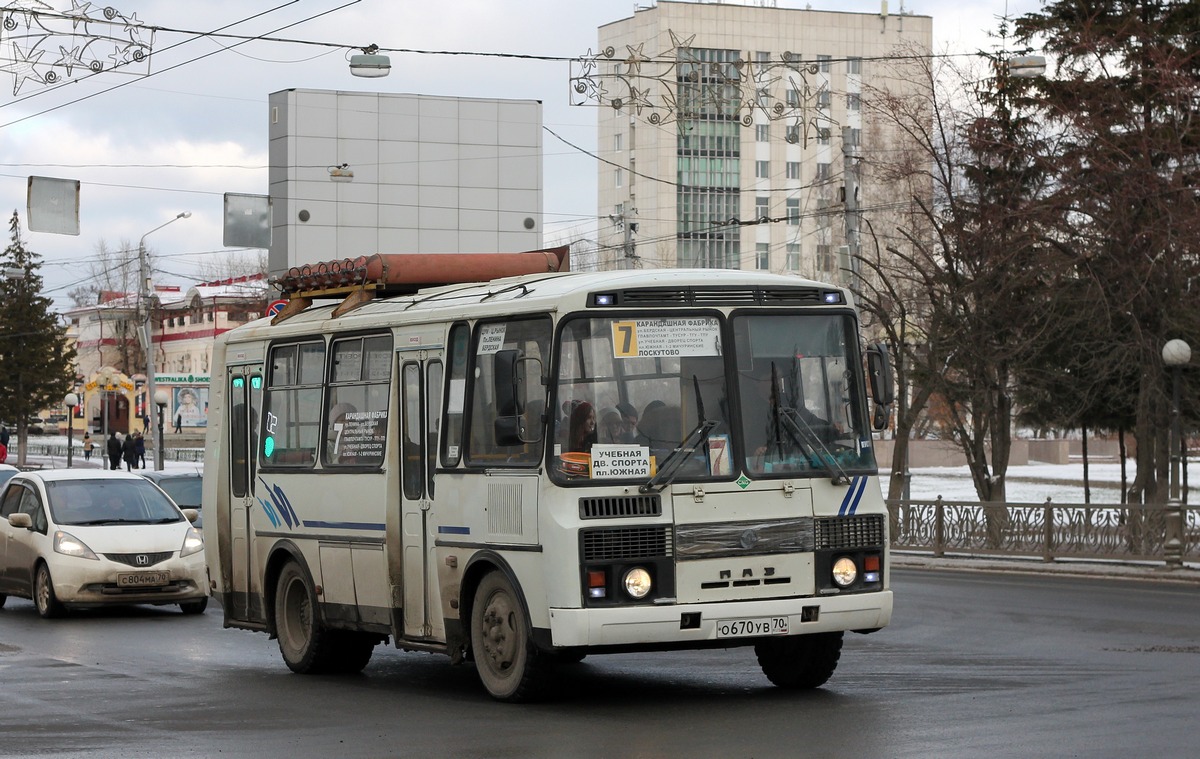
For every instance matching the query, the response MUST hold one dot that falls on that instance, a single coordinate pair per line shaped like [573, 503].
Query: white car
[82, 538]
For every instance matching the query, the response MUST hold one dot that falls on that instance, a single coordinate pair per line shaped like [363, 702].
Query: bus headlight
[637, 582]
[844, 572]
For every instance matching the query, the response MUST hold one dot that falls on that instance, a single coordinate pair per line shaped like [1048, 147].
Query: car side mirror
[191, 514]
[21, 521]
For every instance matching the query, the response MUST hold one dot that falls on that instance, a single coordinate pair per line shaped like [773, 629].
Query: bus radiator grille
[615, 507]
[835, 533]
[626, 543]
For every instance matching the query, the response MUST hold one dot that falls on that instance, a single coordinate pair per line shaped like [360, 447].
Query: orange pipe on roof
[408, 272]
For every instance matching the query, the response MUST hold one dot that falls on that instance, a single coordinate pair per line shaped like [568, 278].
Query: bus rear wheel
[509, 665]
[800, 662]
[306, 645]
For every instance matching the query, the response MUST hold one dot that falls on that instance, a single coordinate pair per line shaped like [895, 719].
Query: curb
[1187, 575]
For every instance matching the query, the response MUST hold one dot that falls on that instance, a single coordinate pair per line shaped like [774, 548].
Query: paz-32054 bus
[523, 471]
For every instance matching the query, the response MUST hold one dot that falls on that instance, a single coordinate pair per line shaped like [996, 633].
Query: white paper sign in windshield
[652, 338]
[491, 338]
[620, 461]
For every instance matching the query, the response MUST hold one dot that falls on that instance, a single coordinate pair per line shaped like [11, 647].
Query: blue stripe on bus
[447, 530]
[853, 495]
[343, 525]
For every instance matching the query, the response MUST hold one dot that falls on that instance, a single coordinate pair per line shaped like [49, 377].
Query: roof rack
[360, 280]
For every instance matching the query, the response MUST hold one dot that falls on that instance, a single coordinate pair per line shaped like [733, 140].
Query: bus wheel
[48, 605]
[509, 665]
[800, 661]
[307, 647]
[353, 651]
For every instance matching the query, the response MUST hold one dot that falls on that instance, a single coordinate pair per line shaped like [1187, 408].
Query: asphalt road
[977, 664]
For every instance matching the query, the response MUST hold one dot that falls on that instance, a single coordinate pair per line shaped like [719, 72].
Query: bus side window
[456, 391]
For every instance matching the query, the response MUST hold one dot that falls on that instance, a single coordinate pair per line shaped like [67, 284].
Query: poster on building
[190, 408]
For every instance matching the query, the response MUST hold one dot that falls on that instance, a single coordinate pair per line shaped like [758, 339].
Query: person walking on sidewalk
[129, 452]
[139, 444]
[88, 445]
[114, 451]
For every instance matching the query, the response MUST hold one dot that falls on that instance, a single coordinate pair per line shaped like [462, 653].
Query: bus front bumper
[702, 623]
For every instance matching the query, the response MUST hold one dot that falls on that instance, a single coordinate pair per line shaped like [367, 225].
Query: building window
[793, 169]
[793, 133]
[855, 136]
[824, 258]
[823, 172]
[854, 65]
[793, 97]
[823, 136]
[618, 141]
[793, 257]
[793, 212]
[762, 56]
[619, 175]
[853, 101]
[824, 99]
[825, 62]
[762, 132]
[762, 169]
[762, 207]
[762, 252]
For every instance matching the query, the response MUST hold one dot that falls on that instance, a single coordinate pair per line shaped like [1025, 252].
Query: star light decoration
[42, 46]
[674, 86]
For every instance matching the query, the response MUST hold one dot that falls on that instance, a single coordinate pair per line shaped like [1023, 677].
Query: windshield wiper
[675, 458]
[791, 422]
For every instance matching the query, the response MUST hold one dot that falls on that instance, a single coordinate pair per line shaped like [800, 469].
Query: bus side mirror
[879, 370]
[512, 388]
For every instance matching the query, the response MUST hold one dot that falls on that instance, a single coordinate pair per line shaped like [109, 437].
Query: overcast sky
[147, 147]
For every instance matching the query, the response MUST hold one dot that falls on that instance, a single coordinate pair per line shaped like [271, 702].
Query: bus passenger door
[420, 402]
[245, 398]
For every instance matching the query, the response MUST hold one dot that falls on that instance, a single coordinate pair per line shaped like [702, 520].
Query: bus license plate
[741, 628]
[143, 579]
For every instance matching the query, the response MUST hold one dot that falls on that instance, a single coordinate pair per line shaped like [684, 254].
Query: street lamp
[160, 399]
[148, 335]
[71, 401]
[1176, 354]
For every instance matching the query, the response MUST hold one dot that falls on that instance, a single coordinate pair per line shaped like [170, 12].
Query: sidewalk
[1189, 574]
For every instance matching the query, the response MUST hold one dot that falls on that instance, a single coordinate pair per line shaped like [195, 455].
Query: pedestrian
[129, 452]
[178, 423]
[3, 453]
[139, 444]
[114, 450]
[88, 445]
[4, 435]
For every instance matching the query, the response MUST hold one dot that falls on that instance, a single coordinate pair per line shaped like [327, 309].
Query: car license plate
[143, 579]
[741, 628]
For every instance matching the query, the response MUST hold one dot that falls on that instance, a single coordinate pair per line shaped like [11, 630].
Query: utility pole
[148, 335]
[630, 227]
[853, 212]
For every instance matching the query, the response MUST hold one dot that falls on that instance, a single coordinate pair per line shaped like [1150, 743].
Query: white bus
[528, 470]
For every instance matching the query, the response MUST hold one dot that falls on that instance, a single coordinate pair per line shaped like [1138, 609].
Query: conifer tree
[36, 362]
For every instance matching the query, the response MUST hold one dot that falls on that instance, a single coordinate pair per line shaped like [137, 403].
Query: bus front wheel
[509, 665]
[800, 661]
[307, 646]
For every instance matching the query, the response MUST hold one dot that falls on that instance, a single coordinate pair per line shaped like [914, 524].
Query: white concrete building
[356, 173]
[737, 113]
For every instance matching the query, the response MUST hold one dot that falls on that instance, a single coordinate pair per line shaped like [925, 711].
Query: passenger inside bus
[583, 428]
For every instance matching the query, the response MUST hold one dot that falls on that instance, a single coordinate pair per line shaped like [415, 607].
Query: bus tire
[48, 605]
[511, 668]
[352, 651]
[799, 662]
[308, 648]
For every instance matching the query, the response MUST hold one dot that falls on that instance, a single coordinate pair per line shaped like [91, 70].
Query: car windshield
[109, 501]
[6, 475]
[184, 491]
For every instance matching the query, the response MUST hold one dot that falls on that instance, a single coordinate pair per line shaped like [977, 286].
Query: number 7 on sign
[625, 339]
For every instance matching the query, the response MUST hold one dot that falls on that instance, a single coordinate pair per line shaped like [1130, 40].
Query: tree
[1127, 176]
[35, 358]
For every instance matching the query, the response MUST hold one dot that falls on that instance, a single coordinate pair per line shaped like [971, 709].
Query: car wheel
[3, 598]
[47, 603]
[800, 661]
[306, 645]
[194, 607]
[509, 665]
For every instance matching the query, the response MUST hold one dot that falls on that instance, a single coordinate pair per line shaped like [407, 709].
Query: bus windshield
[631, 391]
[800, 396]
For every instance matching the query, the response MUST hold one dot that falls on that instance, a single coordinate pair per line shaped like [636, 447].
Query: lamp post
[1176, 354]
[71, 401]
[148, 335]
[160, 399]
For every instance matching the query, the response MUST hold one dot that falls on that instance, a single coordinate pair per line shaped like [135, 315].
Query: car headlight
[69, 545]
[845, 572]
[193, 542]
[637, 582]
